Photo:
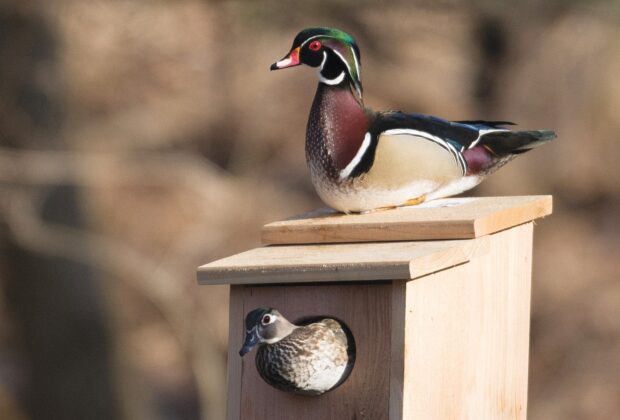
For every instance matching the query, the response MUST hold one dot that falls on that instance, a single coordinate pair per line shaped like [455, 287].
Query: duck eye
[315, 46]
[266, 320]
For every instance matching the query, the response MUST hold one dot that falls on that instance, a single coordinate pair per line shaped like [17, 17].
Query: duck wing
[452, 140]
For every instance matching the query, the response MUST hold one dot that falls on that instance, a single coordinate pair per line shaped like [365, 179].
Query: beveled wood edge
[440, 259]
[491, 223]
[381, 232]
[446, 258]
[305, 274]
[277, 233]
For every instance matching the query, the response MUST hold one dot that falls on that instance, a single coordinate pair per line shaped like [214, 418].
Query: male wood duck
[304, 359]
[361, 160]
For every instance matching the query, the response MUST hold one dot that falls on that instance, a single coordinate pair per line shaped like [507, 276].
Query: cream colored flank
[406, 167]
[326, 373]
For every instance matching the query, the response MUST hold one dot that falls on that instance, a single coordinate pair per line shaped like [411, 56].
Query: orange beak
[292, 59]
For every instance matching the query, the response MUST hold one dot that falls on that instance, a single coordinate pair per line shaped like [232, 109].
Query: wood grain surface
[452, 218]
[467, 336]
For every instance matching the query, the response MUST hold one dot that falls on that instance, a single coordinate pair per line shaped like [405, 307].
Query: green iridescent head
[332, 50]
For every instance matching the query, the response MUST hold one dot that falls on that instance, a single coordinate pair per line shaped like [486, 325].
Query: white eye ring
[268, 319]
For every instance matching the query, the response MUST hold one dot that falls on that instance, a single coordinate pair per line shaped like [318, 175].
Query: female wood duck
[305, 359]
[362, 160]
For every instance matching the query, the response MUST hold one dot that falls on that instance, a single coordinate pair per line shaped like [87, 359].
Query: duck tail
[504, 143]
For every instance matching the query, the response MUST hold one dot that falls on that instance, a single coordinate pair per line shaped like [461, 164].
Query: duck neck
[282, 330]
[336, 128]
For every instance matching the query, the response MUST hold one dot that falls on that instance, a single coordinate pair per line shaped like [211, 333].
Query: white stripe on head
[356, 85]
[357, 65]
[336, 80]
[323, 62]
[344, 61]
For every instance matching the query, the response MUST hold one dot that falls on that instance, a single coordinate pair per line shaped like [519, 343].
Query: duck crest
[336, 129]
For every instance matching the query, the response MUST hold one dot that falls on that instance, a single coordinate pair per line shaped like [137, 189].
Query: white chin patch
[335, 81]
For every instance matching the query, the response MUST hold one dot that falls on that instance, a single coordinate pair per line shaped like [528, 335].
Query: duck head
[264, 326]
[333, 51]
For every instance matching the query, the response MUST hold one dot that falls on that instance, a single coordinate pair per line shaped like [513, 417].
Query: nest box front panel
[365, 308]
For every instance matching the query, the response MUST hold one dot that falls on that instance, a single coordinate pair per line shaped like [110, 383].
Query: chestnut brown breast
[335, 131]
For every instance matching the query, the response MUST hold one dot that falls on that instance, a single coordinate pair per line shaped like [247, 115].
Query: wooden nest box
[436, 297]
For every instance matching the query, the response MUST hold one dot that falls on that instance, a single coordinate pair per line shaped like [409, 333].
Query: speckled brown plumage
[308, 352]
[306, 359]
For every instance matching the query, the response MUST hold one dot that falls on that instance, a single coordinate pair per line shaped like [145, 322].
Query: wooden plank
[366, 309]
[236, 331]
[452, 218]
[467, 335]
[340, 262]
[397, 349]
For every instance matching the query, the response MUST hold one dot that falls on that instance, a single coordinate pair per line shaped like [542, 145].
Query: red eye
[315, 46]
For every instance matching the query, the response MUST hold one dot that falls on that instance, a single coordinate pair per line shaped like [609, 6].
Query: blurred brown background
[139, 139]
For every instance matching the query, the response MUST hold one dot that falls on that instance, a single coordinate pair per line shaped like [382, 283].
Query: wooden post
[437, 299]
